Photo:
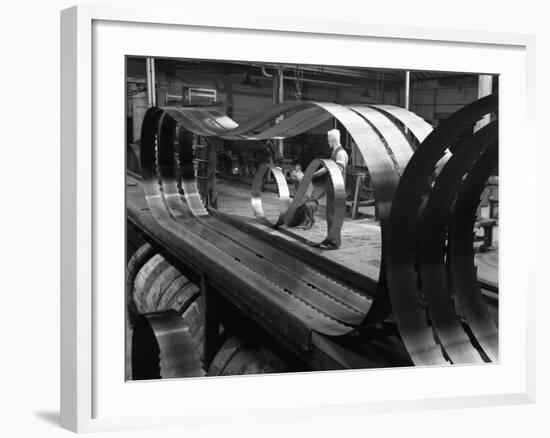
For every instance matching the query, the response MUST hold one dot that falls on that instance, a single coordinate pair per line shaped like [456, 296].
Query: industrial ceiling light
[246, 81]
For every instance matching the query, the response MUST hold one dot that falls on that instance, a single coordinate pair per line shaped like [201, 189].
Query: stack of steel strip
[461, 254]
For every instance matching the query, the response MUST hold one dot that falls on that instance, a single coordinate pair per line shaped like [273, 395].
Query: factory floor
[361, 247]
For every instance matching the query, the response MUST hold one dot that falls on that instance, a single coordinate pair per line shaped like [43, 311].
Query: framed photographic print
[258, 208]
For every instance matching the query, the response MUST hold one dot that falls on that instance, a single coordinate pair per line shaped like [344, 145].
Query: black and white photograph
[289, 218]
[275, 219]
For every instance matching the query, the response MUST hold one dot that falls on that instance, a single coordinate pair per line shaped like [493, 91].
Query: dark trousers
[320, 189]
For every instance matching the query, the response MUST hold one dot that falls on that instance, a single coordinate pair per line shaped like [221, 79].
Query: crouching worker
[305, 213]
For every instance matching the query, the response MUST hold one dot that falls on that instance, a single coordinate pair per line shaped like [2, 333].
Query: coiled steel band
[419, 128]
[282, 188]
[432, 248]
[163, 348]
[461, 253]
[417, 125]
[401, 252]
[394, 139]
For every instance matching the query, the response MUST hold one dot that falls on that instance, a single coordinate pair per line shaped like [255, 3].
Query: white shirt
[340, 157]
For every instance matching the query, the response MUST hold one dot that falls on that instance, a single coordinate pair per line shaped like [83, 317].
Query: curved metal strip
[136, 262]
[213, 123]
[302, 121]
[461, 253]
[336, 196]
[188, 186]
[321, 313]
[432, 246]
[214, 118]
[374, 153]
[400, 247]
[186, 119]
[381, 167]
[282, 187]
[178, 210]
[384, 181]
[167, 170]
[372, 148]
[417, 125]
[419, 128]
[266, 115]
[162, 347]
[197, 119]
[336, 193]
[395, 139]
[151, 184]
[340, 303]
[175, 169]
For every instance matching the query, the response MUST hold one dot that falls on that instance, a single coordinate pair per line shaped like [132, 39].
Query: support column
[407, 89]
[407, 94]
[485, 87]
[278, 97]
[151, 82]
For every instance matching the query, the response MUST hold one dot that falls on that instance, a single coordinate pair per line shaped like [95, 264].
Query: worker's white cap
[334, 134]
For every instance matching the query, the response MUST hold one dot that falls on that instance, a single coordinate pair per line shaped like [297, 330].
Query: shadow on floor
[51, 417]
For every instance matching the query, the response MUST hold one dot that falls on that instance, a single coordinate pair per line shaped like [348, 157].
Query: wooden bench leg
[358, 182]
[487, 238]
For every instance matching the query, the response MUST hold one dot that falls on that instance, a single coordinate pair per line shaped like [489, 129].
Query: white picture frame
[91, 208]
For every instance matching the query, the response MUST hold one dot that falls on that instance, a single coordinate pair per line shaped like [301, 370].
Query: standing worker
[340, 157]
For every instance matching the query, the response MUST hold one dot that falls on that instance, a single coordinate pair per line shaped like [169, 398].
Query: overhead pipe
[265, 73]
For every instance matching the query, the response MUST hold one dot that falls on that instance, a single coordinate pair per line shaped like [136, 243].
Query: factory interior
[293, 218]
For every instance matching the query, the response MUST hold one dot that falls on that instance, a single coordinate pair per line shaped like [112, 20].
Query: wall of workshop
[435, 100]
[240, 101]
